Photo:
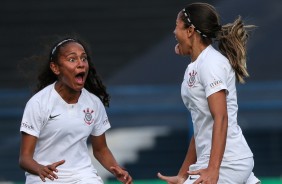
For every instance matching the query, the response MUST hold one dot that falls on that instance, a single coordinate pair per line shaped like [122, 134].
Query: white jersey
[62, 130]
[208, 74]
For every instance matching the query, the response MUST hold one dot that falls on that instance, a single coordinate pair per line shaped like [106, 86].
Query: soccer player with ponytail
[218, 151]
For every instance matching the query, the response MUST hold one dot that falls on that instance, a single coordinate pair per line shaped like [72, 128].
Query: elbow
[222, 119]
[221, 122]
[22, 162]
[99, 153]
[224, 122]
[96, 153]
[21, 165]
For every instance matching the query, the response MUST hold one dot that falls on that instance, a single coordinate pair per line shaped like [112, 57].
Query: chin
[77, 88]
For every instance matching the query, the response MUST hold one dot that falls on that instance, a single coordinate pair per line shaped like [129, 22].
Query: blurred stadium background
[133, 49]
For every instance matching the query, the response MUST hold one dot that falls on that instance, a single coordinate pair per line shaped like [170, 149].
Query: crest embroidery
[88, 116]
[192, 78]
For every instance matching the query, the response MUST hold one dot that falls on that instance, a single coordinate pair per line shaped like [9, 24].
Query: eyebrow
[84, 53]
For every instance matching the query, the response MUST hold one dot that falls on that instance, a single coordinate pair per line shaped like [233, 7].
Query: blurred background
[132, 43]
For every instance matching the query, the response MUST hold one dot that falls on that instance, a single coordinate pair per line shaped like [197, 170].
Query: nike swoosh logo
[193, 178]
[52, 117]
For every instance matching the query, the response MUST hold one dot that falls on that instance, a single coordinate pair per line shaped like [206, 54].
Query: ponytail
[232, 40]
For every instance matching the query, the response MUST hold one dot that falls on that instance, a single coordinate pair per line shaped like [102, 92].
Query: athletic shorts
[232, 172]
[68, 179]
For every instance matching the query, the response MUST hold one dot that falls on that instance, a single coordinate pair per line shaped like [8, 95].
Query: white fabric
[208, 74]
[89, 178]
[253, 179]
[191, 179]
[232, 172]
[62, 130]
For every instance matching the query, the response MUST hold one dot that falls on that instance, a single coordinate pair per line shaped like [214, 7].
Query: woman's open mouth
[79, 78]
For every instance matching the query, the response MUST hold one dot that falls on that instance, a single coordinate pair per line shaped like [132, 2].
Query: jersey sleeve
[101, 122]
[32, 120]
[213, 76]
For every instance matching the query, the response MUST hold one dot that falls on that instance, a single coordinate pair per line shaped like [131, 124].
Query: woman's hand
[121, 174]
[207, 176]
[48, 171]
[172, 179]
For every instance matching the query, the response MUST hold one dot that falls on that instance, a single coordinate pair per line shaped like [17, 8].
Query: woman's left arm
[218, 108]
[103, 154]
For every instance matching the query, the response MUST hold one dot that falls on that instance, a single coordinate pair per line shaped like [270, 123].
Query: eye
[72, 59]
[84, 59]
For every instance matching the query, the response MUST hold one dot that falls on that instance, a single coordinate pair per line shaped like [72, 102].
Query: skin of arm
[190, 159]
[28, 164]
[103, 154]
[182, 175]
[218, 108]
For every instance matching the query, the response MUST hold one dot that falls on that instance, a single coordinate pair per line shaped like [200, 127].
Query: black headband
[186, 14]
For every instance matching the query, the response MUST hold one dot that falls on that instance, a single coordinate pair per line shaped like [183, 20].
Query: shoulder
[213, 56]
[42, 95]
[38, 105]
[90, 97]
[213, 59]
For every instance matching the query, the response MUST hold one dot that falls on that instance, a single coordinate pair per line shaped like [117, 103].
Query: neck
[68, 95]
[196, 51]
[197, 47]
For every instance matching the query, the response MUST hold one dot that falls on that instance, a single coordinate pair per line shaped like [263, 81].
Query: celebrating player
[218, 151]
[57, 121]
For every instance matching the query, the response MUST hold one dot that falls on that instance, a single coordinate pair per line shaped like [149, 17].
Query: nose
[81, 63]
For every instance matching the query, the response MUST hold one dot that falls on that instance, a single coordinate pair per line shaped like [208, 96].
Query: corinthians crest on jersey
[192, 78]
[88, 118]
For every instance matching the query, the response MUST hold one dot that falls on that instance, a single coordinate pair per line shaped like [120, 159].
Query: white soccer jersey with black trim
[208, 74]
[62, 130]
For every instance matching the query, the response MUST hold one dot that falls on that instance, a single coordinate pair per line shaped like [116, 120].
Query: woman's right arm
[182, 175]
[27, 162]
[190, 159]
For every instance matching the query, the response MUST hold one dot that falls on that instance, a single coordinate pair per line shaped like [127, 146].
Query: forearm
[218, 142]
[29, 164]
[190, 159]
[105, 158]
